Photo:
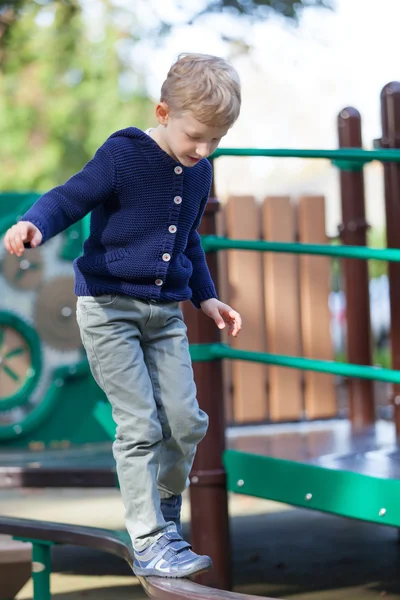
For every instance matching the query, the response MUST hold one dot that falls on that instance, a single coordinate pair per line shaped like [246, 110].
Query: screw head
[240, 483]
[308, 497]
[382, 512]
[195, 479]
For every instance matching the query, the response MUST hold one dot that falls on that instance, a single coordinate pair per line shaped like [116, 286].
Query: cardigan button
[172, 228]
[178, 200]
[166, 257]
[158, 282]
[178, 170]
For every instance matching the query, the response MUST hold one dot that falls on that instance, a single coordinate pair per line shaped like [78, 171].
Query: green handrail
[212, 243]
[206, 352]
[345, 154]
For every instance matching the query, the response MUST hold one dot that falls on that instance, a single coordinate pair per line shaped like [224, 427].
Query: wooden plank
[224, 293]
[282, 310]
[245, 271]
[320, 397]
[15, 566]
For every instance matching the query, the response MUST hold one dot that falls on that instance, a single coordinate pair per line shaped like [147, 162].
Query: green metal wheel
[20, 360]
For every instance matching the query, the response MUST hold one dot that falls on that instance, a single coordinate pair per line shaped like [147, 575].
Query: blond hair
[205, 85]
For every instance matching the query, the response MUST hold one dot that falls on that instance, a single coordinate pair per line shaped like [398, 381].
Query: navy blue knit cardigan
[145, 210]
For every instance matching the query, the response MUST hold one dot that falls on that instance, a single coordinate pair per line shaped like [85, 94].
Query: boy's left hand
[222, 314]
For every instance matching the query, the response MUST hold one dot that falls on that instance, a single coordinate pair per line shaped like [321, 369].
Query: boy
[146, 192]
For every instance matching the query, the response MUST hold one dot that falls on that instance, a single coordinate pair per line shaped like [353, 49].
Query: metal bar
[41, 570]
[214, 242]
[346, 154]
[353, 233]
[390, 109]
[340, 492]
[86, 227]
[209, 500]
[206, 352]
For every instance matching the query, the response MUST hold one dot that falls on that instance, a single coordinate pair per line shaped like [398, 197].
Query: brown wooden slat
[282, 310]
[246, 284]
[224, 293]
[320, 400]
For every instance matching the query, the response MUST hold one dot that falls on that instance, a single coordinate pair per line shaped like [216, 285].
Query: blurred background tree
[68, 82]
[62, 91]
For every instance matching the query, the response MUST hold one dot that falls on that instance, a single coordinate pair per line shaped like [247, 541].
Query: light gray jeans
[138, 353]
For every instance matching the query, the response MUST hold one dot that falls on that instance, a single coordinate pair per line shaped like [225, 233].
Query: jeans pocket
[102, 300]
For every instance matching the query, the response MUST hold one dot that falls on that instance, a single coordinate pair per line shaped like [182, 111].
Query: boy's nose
[203, 150]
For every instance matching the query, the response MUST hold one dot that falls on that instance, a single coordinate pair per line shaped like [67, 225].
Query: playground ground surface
[277, 551]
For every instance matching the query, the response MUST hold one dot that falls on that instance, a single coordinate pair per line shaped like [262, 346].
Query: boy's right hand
[20, 234]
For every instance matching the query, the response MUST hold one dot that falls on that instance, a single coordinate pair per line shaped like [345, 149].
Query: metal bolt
[240, 483]
[382, 512]
[195, 479]
[308, 497]
[352, 226]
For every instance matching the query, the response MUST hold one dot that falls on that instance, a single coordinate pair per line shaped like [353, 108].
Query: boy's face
[185, 138]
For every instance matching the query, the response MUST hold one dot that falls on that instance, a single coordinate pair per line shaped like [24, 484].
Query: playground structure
[44, 535]
[344, 470]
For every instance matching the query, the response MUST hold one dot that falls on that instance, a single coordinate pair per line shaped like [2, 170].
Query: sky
[295, 81]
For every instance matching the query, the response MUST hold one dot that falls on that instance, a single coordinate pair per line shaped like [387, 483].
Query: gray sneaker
[169, 556]
[171, 511]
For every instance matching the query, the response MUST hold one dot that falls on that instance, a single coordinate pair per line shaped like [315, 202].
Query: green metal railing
[211, 243]
[206, 352]
[344, 158]
[357, 155]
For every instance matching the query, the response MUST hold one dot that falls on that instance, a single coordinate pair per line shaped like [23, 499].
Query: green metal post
[41, 570]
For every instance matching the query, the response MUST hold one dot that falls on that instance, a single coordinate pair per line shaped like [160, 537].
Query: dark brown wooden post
[390, 109]
[353, 232]
[209, 500]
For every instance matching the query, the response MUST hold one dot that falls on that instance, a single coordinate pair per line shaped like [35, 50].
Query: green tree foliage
[290, 9]
[63, 91]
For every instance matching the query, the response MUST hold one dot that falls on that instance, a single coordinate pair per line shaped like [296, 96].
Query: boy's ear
[162, 113]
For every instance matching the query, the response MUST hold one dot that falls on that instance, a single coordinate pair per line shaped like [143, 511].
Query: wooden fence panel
[245, 273]
[320, 400]
[224, 293]
[282, 309]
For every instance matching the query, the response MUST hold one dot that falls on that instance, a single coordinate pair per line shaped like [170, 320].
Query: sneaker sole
[205, 566]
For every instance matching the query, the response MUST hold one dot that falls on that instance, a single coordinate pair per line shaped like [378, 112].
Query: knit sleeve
[201, 282]
[66, 204]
